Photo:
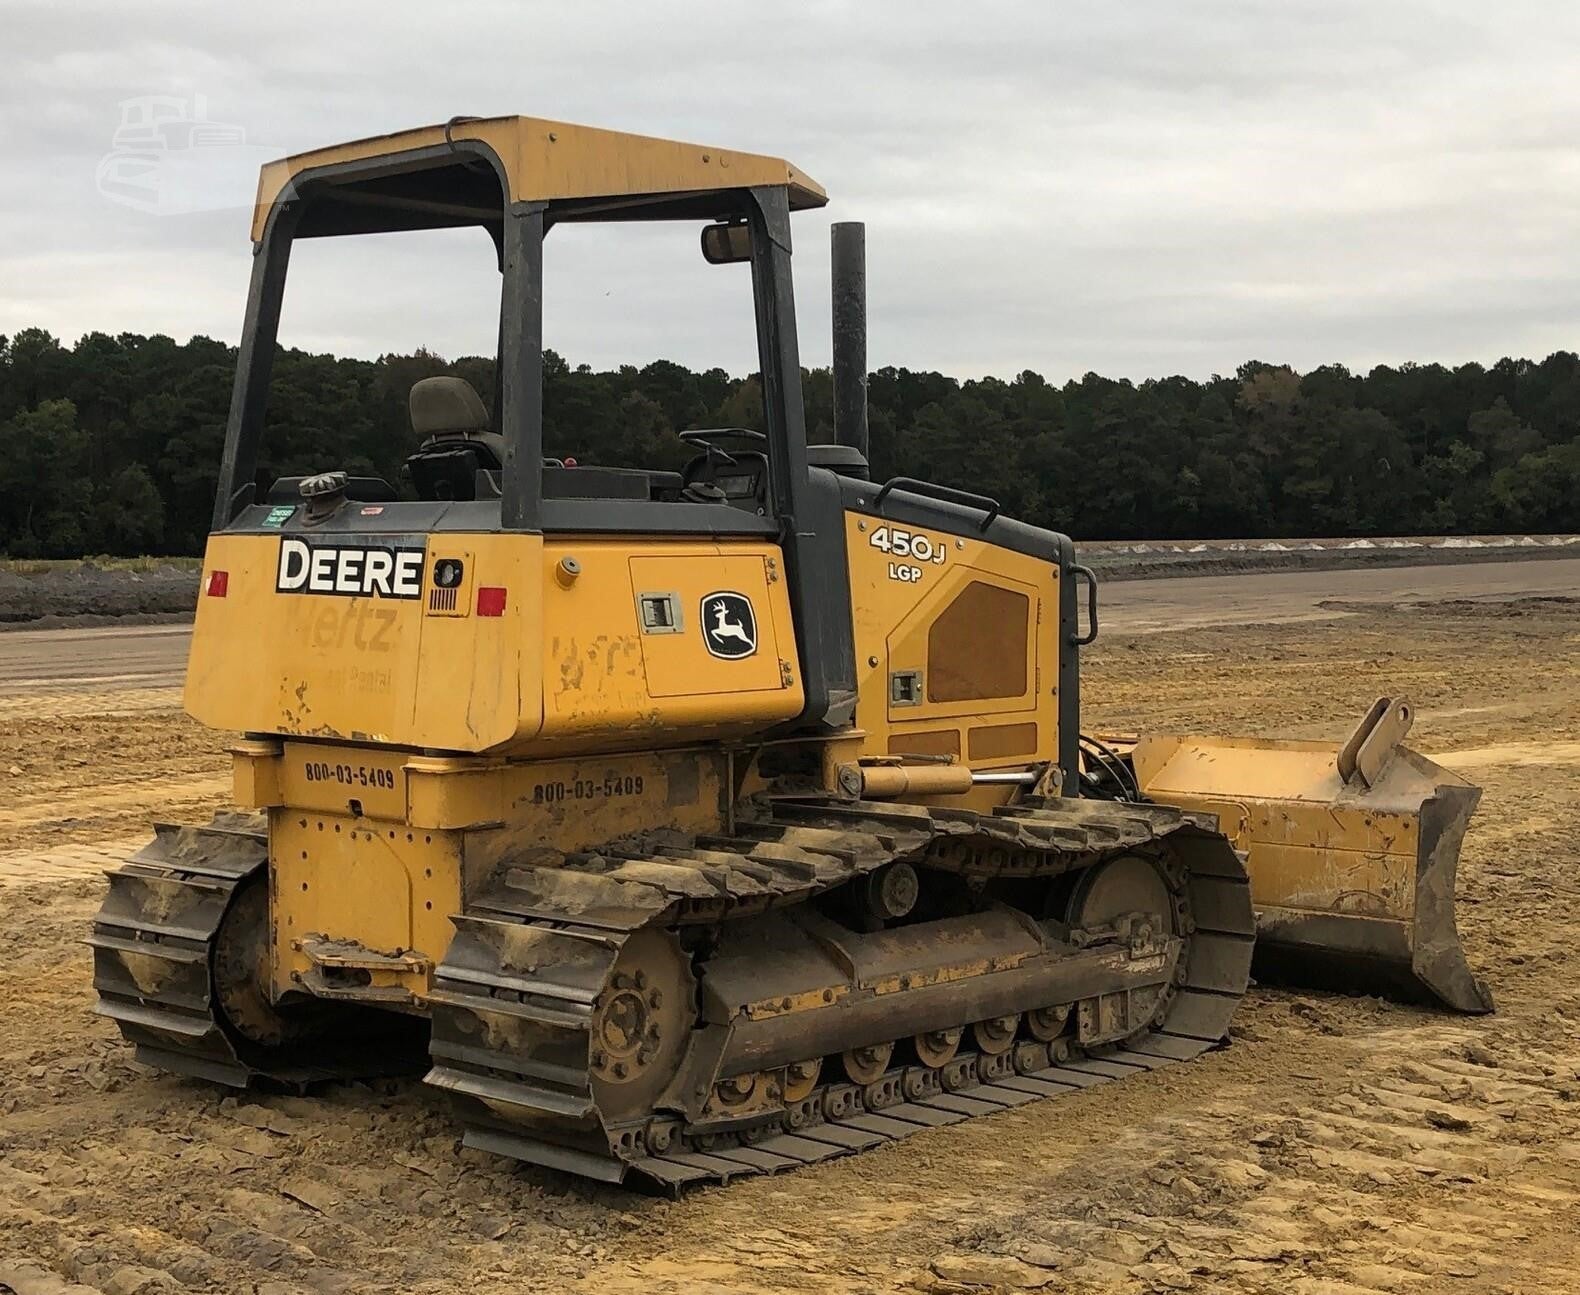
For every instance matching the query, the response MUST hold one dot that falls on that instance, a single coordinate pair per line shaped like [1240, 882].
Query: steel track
[153, 944]
[513, 1044]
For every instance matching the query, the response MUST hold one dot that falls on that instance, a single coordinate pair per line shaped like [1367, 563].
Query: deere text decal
[350, 570]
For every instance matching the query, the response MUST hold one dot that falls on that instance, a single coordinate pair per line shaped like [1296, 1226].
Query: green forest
[111, 445]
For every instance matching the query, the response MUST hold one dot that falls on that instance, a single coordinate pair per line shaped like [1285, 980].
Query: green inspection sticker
[279, 516]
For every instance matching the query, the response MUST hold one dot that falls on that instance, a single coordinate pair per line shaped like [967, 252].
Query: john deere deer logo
[729, 627]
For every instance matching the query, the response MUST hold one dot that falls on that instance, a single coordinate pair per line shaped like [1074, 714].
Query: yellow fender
[1352, 852]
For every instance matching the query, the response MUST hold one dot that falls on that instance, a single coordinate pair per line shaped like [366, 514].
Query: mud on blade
[1352, 853]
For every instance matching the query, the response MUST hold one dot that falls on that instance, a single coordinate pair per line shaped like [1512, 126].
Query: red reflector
[490, 600]
[218, 583]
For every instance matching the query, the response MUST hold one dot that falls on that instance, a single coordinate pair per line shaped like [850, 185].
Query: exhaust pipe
[848, 245]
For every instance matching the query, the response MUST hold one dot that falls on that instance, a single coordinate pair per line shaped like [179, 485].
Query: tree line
[112, 444]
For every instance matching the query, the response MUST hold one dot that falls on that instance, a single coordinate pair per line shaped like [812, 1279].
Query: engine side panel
[957, 647]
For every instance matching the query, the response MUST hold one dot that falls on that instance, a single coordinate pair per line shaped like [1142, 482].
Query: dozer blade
[1352, 853]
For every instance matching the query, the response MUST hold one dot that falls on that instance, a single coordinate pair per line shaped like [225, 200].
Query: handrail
[946, 493]
[1090, 576]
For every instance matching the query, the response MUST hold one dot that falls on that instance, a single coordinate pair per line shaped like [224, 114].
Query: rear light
[490, 600]
[218, 583]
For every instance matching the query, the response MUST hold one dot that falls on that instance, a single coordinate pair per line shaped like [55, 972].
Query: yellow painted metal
[385, 890]
[679, 664]
[558, 804]
[1352, 883]
[255, 773]
[565, 668]
[372, 670]
[576, 802]
[360, 780]
[906, 781]
[545, 160]
[456, 599]
[895, 601]
[608, 686]
[1318, 849]
[387, 885]
[805, 1000]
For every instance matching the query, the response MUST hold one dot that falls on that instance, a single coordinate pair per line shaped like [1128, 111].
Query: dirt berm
[61, 594]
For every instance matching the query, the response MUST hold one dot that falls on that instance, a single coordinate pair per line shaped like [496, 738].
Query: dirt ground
[1338, 1146]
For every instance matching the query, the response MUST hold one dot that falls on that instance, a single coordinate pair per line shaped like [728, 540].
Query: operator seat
[449, 414]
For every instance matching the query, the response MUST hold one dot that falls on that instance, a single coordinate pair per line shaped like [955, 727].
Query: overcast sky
[1137, 188]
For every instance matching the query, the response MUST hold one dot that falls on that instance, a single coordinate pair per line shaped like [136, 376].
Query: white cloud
[1137, 189]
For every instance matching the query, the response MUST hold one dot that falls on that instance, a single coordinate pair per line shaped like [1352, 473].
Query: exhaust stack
[848, 241]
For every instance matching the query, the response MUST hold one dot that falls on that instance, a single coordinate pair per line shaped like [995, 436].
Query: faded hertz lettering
[350, 570]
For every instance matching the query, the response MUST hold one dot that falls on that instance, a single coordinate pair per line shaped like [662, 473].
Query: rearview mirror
[726, 244]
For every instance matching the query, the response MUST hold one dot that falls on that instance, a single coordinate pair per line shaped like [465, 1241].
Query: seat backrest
[446, 405]
[447, 410]
[450, 416]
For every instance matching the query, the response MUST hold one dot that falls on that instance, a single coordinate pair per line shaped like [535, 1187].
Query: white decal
[377, 572]
[348, 570]
[908, 544]
[292, 574]
[408, 573]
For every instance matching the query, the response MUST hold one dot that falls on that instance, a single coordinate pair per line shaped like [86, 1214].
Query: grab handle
[948, 494]
[1086, 573]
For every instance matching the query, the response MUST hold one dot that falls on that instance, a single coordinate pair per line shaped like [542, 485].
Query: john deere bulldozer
[701, 823]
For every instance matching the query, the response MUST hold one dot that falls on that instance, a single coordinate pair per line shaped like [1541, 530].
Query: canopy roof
[543, 161]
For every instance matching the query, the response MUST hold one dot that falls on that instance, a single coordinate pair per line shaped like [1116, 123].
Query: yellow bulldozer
[688, 825]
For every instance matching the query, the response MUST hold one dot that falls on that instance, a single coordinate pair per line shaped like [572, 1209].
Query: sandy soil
[1339, 1146]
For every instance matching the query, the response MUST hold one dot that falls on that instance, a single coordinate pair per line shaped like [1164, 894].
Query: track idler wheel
[1122, 888]
[641, 1024]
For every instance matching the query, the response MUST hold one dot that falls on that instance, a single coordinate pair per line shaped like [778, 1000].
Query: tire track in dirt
[91, 765]
[1423, 1170]
[68, 702]
[65, 863]
[44, 811]
[167, 1185]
